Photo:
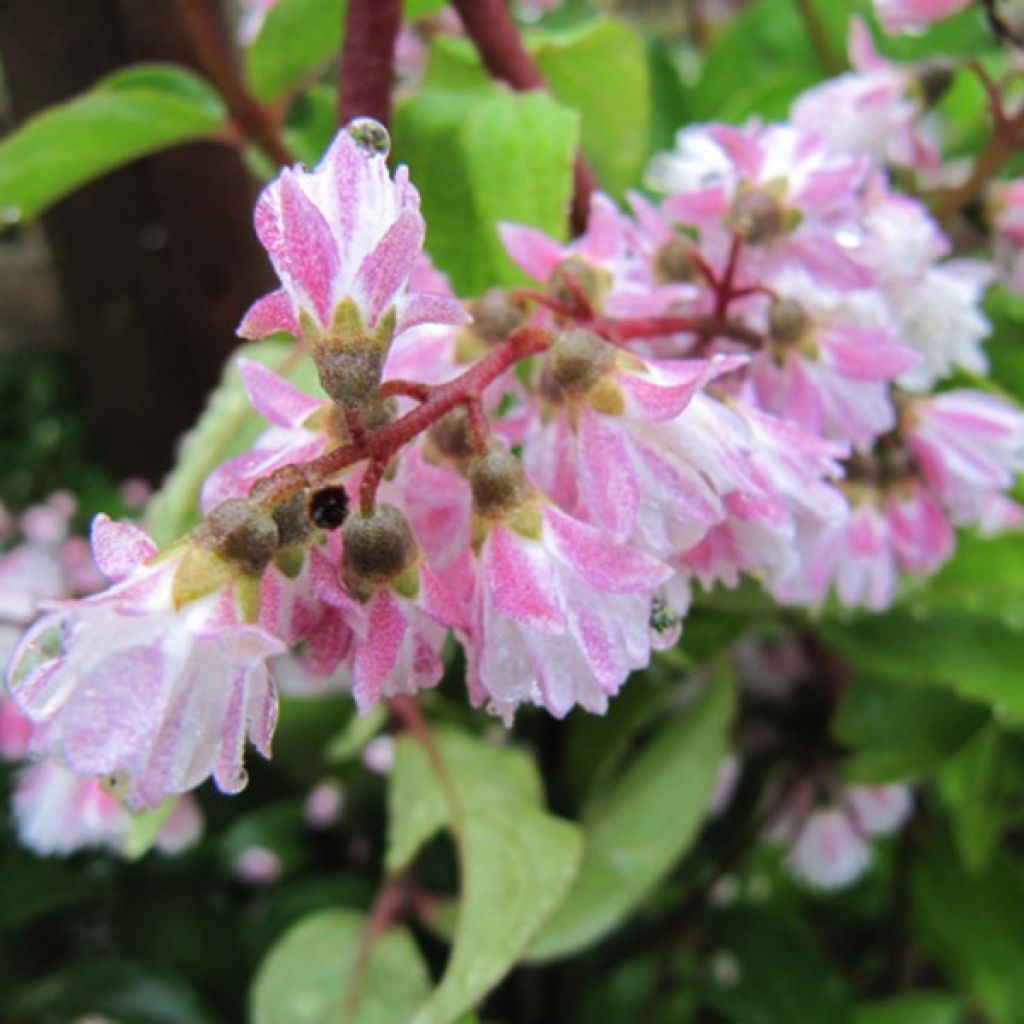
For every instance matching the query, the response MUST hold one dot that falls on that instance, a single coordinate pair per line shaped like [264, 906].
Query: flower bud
[241, 532]
[378, 547]
[787, 321]
[498, 484]
[673, 263]
[573, 276]
[496, 314]
[292, 520]
[450, 436]
[578, 360]
[756, 215]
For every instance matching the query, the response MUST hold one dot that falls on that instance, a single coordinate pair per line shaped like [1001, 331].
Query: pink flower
[560, 615]
[968, 446]
[125, 685]
[876, 109]
[345, 230]
[58, 812]
[915, 15]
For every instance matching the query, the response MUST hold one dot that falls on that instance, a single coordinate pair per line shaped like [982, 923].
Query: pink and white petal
[269, 315]
[429, 308]
[119, 548]
[535, 253]
[274, 398]
[521, 581]
[607, 480]
[377, 654]
[386, 267]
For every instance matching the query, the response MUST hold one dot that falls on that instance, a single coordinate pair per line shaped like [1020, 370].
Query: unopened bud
[756, 215]
[349, 375]
[378, 547]
[292, 520]
[578, 360]
[241, 532]
[451, 437]
[496, 314]
[673, 262]
[498, 484]
[787, 321]
[572, 277]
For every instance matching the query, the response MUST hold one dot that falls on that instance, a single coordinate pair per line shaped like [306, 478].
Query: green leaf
[781, 973]
[916, 1008]
[972, 924]
[481, 156]
[421, 8]
[355, 734]
[600, 70]
[764, 52]
[516, 860]
[227, 426]
[306, 977]
[296, 39]
[641, 824]
[901, 732]
[977, 657]
[128, 115]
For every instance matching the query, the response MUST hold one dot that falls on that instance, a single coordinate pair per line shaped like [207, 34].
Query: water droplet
[11, 214]
[370, 136]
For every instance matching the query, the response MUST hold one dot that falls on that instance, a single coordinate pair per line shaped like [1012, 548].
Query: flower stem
[366, 65]
[490, 25]
[218, 61]
[816, 33]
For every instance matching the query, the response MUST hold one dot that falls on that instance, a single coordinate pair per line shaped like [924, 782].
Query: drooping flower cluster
[735, 381]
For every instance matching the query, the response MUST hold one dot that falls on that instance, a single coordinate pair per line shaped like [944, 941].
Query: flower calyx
[501, 493]
[579, 367]
[379, 549]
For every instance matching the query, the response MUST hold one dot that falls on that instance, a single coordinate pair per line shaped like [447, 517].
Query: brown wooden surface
[157, 261]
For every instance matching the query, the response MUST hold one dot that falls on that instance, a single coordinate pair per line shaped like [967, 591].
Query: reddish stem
[490, 25]
[370, 482]
[621, 330]
[476, 425]
[381, 444]
[403, 389]
[218, 61]
[367, 61]
[726, 292]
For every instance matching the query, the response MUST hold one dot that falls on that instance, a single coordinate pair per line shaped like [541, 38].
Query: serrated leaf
[900, 732]
[296, 38]
[516, 860]
[600, 70]
[305, 978]
[130, 114]
[480, 156]
[227, 426]
[641, 824]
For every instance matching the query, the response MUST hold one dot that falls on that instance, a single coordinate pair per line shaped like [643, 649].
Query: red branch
[490, 25]
[367, 61]
[378, 446]
[218, 61]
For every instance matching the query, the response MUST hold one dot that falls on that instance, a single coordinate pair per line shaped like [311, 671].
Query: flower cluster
[743, 379]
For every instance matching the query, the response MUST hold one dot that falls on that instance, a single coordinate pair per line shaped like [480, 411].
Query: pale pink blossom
[324, 804]
[345, 230]
[558, 619]
[124, 685]
[259, 866]
[915, 15]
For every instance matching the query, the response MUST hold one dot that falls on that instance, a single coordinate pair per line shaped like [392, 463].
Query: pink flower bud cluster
[736, 381]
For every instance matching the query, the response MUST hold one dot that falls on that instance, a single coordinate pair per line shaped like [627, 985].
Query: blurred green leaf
[639, 825]
[516, 860]
[480, 157]
[978, 657]
[227, 426]
[306, 977]
[125, 116]
[145, 828]
[901, 732]
[766, 968]
[277, 828]
[296, 39]
[916, 1008]
[600, 70]
[116, 990]
[356, 733]
[972, 924]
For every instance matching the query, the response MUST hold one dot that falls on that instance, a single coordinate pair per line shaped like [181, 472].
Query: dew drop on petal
[370, 136]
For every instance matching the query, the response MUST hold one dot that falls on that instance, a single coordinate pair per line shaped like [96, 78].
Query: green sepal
[248, 595]
[201, 572]
[289, 561]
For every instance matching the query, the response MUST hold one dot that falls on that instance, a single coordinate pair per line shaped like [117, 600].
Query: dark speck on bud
[498, 484]
[672, 262]
[378, 547]
[370, 135]
[328, 507]
[496, 314]
[242, 532]
[579, 359]
[787, 321]
[755, 215]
